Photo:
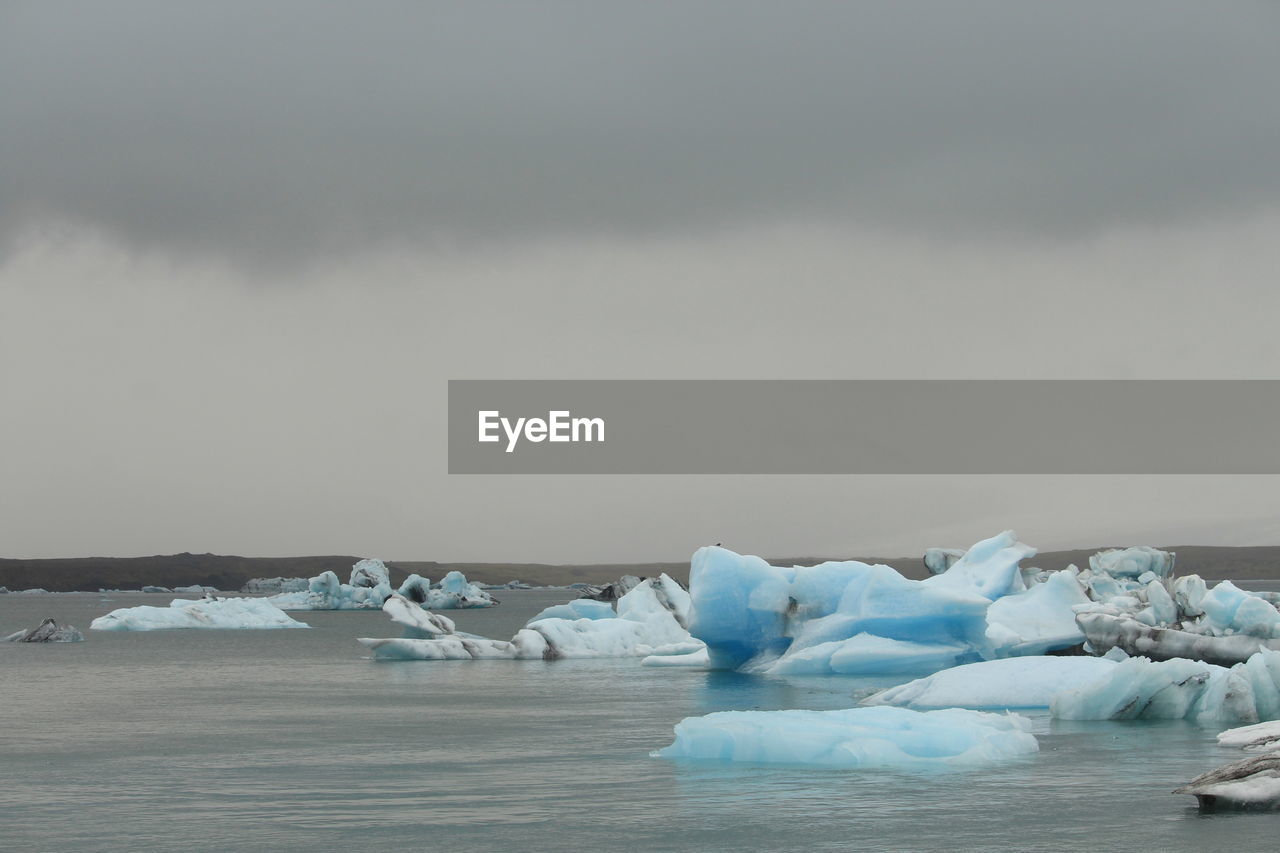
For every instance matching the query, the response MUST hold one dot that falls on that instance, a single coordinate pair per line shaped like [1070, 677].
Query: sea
[298, 740]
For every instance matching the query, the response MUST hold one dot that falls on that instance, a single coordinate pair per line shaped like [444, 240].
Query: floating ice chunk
[1228, 609]
[1259, 737]
[326, 592]
[1039, 620]
[1133, 562]
[274, 585]
[526, 645]
[739, 606]
[222, 613]
[989, 568]
[418, 624]
[1022, 682]
[579, 608]
[1163, 608]
[938, 560]
[369, 573]
[194, 589]
[1188, 592]
[858, 737]
[696, 658]
[646, 618]
[47, 631]
[1139, 688]
[1253, 783]
[755, 616]
[416, 588]
[868, 654]
[1106, 631]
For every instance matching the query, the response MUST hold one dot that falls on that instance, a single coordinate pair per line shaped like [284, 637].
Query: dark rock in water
[1253, 783]
[1105, 632]
[47, 631]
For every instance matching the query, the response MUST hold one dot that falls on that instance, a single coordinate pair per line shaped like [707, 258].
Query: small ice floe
[894, 738]
[221, 613]
[1253, 783]
[1260, 737]
[47, 631]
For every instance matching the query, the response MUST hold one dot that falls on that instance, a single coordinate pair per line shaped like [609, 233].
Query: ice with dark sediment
[48, 631]
[649, 617]
[1251, 783]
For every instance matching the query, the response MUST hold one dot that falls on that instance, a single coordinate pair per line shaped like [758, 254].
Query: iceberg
[581, 608]
[369, 574]
[1106, 631]
[1253, 783]
[222, 613]
[1259, 737]
[369, 586]
[649, 617]
[894, 738]
[1133, 562]
[1037, 620]
[326, 592]
[1139, 688]
[1020, 682]
[47, 631]
[853, 618]
[938, 560]
[266, 586]
[453, 592]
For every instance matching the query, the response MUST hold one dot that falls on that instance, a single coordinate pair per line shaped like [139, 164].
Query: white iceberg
[858, 737]
[1020, 682]
[222, 613]
[1259, 737]
[1133, 562]
[650, 616]
[1037, 620]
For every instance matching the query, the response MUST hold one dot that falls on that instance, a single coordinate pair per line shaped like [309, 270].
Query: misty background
[243, 246]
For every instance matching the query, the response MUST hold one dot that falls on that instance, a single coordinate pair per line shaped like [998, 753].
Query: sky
[243, 246]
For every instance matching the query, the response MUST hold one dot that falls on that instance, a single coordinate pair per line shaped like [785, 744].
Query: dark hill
[231, 572]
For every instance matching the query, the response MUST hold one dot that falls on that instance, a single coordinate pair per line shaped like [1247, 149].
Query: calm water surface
[257, 740]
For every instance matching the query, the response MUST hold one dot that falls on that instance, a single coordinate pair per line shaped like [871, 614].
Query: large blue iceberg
[858, 737]
[859, 619]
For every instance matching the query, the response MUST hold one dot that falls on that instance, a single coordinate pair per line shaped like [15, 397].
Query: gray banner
[864, 427]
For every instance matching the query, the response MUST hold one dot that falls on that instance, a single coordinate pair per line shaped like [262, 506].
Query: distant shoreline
[230, 573]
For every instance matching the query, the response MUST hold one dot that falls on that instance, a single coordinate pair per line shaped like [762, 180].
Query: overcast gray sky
[243, 245]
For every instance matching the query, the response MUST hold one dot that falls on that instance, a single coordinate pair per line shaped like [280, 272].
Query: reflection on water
[293, 739]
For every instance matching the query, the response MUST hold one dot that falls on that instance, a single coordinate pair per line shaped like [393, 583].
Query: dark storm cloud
[278, 130]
